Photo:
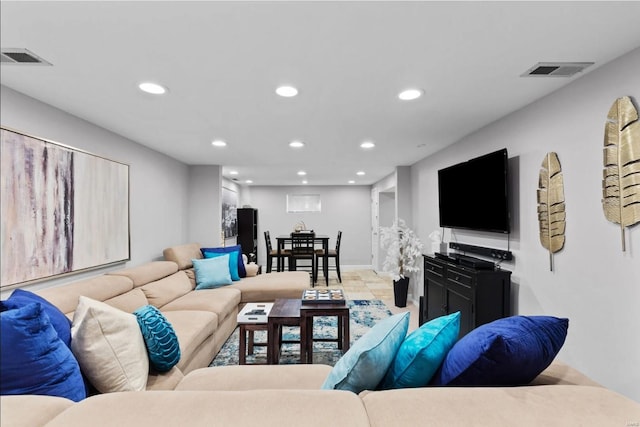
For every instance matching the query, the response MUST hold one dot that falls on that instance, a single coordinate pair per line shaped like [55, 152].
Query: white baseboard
[354, 267]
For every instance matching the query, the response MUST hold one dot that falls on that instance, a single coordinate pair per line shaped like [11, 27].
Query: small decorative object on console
[323, 296]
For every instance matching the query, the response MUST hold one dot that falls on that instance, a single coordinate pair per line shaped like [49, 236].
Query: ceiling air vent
[20, 56]
[556, 69]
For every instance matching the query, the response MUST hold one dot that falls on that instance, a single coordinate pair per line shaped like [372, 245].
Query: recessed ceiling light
[218, 143]
[305, 181]
[287, 91]
[360, 173]
[233, 172]
[248, 181]
[302, 173]
[152, 88]
[367, 145]
[410, 94]
[352, 182]
[296, 144]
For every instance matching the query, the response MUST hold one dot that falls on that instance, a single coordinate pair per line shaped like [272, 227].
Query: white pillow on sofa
[109, 347]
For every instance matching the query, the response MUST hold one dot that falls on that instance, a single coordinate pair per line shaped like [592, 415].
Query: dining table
[319, 239]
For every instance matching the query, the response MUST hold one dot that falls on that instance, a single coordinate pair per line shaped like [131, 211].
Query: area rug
[363, 313]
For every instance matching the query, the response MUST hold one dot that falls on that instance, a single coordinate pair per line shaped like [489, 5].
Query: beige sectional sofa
[194, 395]
[202, 319]
[290, 395]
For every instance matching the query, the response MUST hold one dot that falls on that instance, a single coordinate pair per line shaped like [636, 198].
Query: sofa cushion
[109, 347]
[364, 365]
[212, 273]
[147, 272]
[229, 249]
[269, 287]
[311, 408]
[159, 337]
[222, 301]
[99, 288]
[422, 353]
[31, 410]
[60, 322]
[256, 377]
[233, 262]
[509, 351]
[183, 254]
[34, 358]
[192, 328]
[165, 290]
[129, 301]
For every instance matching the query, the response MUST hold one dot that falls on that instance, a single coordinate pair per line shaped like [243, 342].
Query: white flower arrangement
[404, 249]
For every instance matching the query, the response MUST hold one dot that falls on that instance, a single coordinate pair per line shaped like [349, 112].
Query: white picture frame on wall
[297, 203]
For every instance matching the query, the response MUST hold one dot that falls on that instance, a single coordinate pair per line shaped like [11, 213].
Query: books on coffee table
[255, 312]
[323, 296]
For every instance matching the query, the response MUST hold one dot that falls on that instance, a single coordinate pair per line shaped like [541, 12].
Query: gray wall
[346, 208]
[205, 215]
[594, 284]
[158, 184]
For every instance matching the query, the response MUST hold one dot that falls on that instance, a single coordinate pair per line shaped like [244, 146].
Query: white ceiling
[223, 60]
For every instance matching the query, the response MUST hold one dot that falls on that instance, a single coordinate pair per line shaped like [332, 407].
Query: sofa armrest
[559, 373]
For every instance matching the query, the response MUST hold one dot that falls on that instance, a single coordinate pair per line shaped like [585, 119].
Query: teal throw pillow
[34, 358]
[212, 272]
[364, 365]
[422, 353]
[242, 272]
[506, 352]
[233, 262]
[159, 337]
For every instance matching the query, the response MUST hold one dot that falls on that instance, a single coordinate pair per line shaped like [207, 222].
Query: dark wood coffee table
[285, 312]
[307, 313]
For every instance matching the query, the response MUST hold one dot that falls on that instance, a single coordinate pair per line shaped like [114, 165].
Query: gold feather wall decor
[551, 206]
[621, 173]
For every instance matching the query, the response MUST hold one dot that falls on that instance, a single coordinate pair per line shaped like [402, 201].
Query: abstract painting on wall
[63, 210]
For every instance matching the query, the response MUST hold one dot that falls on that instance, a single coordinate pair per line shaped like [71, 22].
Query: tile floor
[367, 284]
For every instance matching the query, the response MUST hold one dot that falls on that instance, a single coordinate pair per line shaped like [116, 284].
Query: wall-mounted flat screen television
[474, 194]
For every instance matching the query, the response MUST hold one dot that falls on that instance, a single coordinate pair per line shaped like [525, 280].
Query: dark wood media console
[481, 295]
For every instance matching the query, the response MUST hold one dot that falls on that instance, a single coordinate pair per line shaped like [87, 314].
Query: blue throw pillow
[509, 351]
[159, 337]
[422, 353]
[34, 359]
[61, 323]
[242, 272]
[233, 262]
[366, 362]
[212, 272]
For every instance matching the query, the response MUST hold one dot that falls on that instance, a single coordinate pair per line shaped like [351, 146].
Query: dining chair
[273, 253]
[302, 248]
[333, 253]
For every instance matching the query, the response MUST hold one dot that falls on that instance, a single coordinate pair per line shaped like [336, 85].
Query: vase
[400, 290]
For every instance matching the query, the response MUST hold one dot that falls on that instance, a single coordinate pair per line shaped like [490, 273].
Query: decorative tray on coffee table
[323, 296]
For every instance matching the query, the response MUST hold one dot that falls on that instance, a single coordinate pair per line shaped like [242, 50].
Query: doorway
[386, 216]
